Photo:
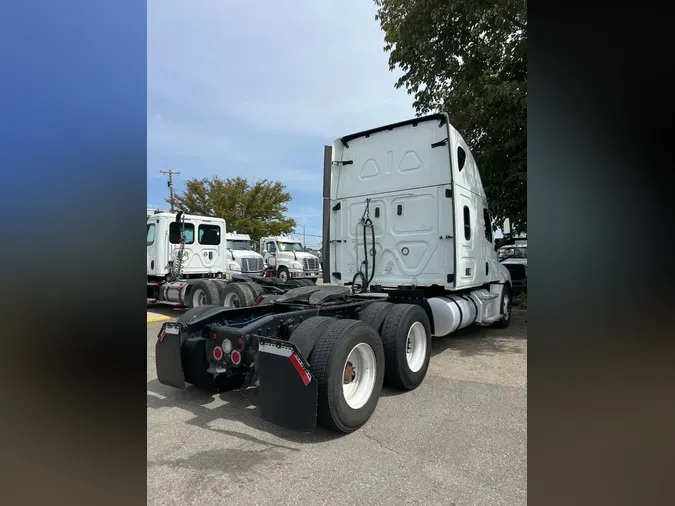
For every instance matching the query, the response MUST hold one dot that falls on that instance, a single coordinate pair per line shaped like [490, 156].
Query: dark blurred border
[72, 192]
[601, 350]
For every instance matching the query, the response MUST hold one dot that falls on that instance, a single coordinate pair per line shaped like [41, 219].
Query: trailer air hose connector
[366, 222]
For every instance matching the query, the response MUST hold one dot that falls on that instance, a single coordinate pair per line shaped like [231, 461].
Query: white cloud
[308, 67]
[255, 89]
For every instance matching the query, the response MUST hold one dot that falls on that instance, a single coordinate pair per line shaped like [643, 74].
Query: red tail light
[236, 357]
[218, 353]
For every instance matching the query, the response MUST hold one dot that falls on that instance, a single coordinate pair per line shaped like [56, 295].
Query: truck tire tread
[257, 289]
[376, 313]
[244, 293]
[306, 335]
[251, 294]
[394, 334]
[329, 354]
[210, 289]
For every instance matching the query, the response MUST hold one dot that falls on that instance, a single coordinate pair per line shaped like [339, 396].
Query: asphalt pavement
[458, 439]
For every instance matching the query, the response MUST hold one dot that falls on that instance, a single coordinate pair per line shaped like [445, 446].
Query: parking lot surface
[459, 439]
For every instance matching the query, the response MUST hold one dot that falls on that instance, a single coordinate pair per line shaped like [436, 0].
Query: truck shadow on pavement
[474, 340]
[239, 406]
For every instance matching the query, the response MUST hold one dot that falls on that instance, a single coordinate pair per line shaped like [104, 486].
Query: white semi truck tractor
[242, 255]
[190, 264]
[286, 257]
[412, 253]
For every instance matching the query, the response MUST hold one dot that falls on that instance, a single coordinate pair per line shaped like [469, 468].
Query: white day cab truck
[412, 255]
[192, 261]
[242, 255]
[286, 259]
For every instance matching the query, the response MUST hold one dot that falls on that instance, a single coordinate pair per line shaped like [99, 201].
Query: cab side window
[271, 247]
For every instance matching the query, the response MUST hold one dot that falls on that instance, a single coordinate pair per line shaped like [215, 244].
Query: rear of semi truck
[409, 226]
[413, 191]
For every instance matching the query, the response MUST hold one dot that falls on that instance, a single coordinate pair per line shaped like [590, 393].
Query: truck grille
[252, 265]
[517, 271]
[310, 264]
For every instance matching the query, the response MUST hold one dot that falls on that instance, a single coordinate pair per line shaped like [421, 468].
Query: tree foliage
[255, 209]
[468, 58]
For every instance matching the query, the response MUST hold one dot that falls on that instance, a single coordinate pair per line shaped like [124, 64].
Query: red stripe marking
[301, 370]
[162, 335]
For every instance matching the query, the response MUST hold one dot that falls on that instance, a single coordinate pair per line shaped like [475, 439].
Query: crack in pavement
[373, 438]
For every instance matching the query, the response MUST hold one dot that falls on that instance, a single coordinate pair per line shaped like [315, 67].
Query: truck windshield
[240, 244]
[290, 246]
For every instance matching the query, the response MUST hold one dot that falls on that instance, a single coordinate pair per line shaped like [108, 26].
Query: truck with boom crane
[411, 256]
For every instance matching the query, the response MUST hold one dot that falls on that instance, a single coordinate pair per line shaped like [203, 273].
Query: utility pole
[170, 173]
[304, 238]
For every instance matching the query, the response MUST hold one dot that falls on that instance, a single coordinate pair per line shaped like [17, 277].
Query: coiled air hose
[366, 222]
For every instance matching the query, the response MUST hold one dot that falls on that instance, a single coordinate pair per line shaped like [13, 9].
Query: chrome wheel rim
[416, 346]
[198, 297]
[232, 300]
[283, 276]
[358, 375]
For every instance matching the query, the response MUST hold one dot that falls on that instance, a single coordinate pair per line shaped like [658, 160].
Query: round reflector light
[236, 357]
[218, 353]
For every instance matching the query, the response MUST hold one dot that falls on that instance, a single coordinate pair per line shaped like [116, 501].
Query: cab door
[269, 254]
[466, 196]
[209, 237]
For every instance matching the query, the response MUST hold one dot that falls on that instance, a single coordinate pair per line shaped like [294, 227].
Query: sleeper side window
[467, 223]
[461, 157]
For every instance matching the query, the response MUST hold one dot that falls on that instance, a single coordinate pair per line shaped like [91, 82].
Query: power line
[309, 226]
[308, 235]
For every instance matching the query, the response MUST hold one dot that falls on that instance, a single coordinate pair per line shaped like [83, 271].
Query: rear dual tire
[406, 337]
[202, 292]
[236, 295]
[348, 365]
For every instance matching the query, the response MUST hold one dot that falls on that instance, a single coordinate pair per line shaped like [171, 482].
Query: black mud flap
[288, 391]
[167, 356]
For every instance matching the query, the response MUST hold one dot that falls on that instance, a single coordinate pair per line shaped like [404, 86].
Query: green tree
[468, 58]
[255, 209]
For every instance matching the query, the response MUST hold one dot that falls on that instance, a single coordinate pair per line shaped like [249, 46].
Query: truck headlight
[296, 265]
[234, 266]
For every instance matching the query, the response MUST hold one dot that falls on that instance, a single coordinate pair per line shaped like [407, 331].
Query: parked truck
[411, 256]
[190, 265]
[286, 258]
[243, 256]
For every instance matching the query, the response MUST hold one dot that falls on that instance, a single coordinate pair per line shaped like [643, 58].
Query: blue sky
[256, 89]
